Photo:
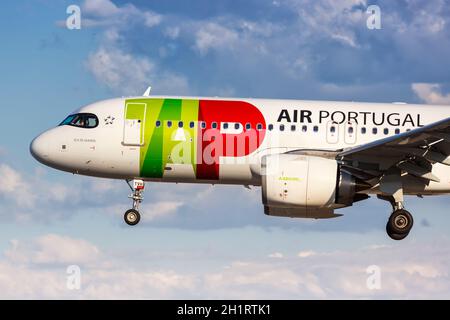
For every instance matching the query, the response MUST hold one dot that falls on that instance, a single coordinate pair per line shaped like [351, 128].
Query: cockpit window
[81, 120]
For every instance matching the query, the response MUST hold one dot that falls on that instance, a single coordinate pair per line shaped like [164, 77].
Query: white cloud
[119, 70]
[161, 209]
[53, 249]
[103, 186]
[430, 93]
[101, 8]
[172, 32]
[11, 179]
[14, 186]
[106, 13]
[152, 19]
[335, 20]
[424, 270]
[276, 255]
[214, 36]
[37, 198]
[130, 75]
[306, 254]
[37, 269]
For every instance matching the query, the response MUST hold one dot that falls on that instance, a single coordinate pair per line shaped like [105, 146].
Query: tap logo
[194, 132]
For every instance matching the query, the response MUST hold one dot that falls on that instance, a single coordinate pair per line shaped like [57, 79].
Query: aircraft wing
[414, 152]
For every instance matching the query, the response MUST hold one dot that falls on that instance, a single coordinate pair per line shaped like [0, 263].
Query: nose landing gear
[132, 216]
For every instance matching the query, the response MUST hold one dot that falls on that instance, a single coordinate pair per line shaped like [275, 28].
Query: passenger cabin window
[270, 127]
[225, 125]
[315, 128]
[180, 124]
[259, 126]
[169, 124]
[158, 124]
[397, 131]
[293, 127]
[281, 127]
[386, 131]
[237, 126]
[248, 126]
[203, 125]
[191, 124]
[374, 130]
[304, 128]
[363, 130]
[81, 120]
[214, 125]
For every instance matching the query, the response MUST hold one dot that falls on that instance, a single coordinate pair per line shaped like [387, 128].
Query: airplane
[310, 158]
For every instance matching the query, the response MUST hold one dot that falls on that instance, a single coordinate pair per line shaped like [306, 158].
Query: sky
[209, 242]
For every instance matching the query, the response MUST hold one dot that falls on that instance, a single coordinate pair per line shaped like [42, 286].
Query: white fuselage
[287, 125]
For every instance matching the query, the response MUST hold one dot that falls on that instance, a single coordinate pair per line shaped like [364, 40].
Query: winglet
[147, 92]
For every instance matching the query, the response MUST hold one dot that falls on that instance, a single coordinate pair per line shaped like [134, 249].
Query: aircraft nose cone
[39, 149]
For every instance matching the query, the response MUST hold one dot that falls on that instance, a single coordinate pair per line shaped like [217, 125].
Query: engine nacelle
[305, 186]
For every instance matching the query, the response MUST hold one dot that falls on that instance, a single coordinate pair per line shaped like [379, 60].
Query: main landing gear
[132, 216]
[400, 222]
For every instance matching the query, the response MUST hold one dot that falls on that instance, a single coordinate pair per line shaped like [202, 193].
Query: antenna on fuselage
[147, 92]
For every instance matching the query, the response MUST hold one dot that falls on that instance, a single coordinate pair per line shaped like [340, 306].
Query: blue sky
[202, 241]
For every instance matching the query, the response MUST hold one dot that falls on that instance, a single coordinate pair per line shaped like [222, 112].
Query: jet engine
[304, 186]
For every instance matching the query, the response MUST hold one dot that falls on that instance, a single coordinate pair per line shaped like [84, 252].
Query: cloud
[324, 45]
[161, 209]
[22, 197]
[128, 74]
[36, 197]
[37, 269]
[172, 32]
[306, 254]
[119, 70]
[52, 249]
[152, 19]
[11, 179]
[328, 19]
[276, 255]
[430, 93]
[101, 8]
[13, 186]
[104, 13]
[114, 65]
[213, 36]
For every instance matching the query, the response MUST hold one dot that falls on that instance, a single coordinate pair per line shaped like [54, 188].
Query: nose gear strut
[132, 216]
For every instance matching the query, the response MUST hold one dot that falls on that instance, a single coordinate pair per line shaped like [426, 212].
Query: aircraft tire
[395, 236]
[132, 217]
[400, 222]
